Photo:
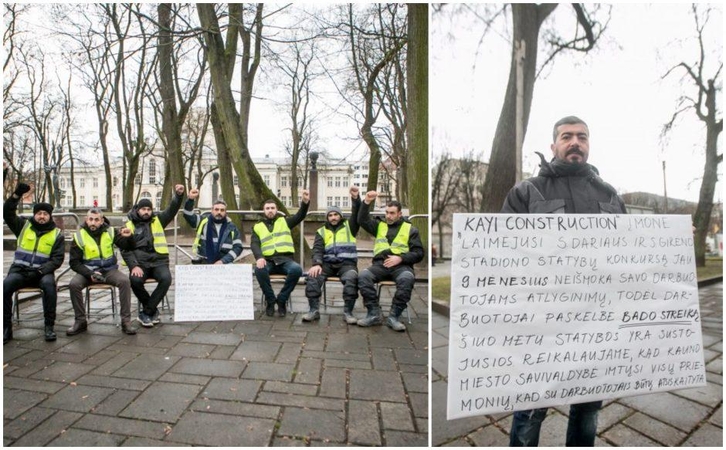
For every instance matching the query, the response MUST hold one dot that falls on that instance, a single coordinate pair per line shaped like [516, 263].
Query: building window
[62, 183]
[115, 181]
[266, 178]
[330, 201]
[145, 194]
[346, 202]
[330, 181]
[283, 182]
[337, 181]
[198, 180]
[95, 182]
[338, 201]
[152, 171]
[137, 180]
[82, 182]
[283, 199]
[158, 200]
[235, 180]
[83, 200]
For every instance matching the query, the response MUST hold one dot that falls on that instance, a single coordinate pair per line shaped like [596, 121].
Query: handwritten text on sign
[213, 292]
[557, 309]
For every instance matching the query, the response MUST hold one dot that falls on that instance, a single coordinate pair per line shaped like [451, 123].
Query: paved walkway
[267, 382]
[688, 417]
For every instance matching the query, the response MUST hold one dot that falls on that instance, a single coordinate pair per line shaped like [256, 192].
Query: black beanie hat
[47, 207]
[144, 203]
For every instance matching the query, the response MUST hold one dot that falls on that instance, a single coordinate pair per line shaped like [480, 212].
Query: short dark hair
[269, 200]
[220, 202]
[394, 203]
[569, 120]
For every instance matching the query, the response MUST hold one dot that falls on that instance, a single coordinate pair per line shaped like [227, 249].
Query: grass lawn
[441, 287]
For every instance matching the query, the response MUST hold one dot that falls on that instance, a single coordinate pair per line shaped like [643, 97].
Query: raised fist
[179, 189]
[305, 195]
[354, 191]
[370, 196]
[193, 194]
[125, 232]
[21, 189]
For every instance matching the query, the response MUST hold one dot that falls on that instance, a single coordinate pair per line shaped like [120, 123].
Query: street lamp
[313, 180]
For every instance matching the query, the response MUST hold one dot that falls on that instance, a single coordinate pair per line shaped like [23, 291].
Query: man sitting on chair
[273, 248]
[218, 239]
[396, 249]
[150, 257]
[39, 252]
[335, 255]
[93, 259]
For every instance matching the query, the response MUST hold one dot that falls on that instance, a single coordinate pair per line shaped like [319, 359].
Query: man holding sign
[565, 185]
[218, 239]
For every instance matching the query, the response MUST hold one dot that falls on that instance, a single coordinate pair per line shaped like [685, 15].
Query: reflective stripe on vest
[399, 244]
[279, 240]
[202, 236]
[94, 256]
[32, 251]
[339, 246]
[157, 231]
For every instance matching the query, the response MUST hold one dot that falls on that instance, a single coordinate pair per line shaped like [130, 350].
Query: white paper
[550, 310]
[213, 292]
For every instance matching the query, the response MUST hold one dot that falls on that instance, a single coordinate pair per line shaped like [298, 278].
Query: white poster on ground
[550, 310]
[213, 292]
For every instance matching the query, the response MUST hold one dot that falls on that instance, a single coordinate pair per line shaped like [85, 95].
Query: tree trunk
[417, 115]
[527, 19]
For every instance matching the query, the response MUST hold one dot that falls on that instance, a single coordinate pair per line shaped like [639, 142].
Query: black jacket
[319, 244]
[415, 247]
[16, 224]
[564, 188]
[292, 222]
[144, 255]
[76, 253]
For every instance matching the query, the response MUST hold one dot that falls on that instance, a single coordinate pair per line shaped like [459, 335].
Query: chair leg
[325, 295]
[88, 303]
[16, 307]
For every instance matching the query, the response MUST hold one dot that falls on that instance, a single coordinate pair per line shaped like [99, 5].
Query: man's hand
[21, 189]
[392, 261]
[218, 262]
[179, 189]
[370, 197]
[354, 191]
[315, 271]
[193, 194]
[305, 196]
[261, 263]
[126, 232]
[137, 272]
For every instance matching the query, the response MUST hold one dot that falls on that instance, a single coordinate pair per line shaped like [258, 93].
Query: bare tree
[527, 23]
[705, 107]
[444, 190]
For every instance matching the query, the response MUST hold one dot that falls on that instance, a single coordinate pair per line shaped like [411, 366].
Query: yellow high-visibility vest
[399, 244]
[279, 240]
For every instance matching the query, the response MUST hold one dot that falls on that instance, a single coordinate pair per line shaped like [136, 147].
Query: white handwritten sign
[551, 310]
[213, 292]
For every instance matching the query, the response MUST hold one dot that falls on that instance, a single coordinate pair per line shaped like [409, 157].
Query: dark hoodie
[564, 188]
[144, 255]
[16, 224]
[76, 254]
[415, 247]
[319, 244]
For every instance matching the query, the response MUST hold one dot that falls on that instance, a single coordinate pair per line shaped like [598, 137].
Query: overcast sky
[617, 90]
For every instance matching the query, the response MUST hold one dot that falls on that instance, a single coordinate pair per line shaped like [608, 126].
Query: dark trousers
[114, 278]
[401, 274]
[149, 302]
[581, 427]
[348, 274]
[18, 280]
[292, 272]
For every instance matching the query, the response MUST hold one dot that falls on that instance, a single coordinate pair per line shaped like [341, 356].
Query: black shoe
[78, 327]
[156, 317]
[145, 320]
[7, 334]
[128, 327]
[281, 311]
[270, 310]
[50, 334]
